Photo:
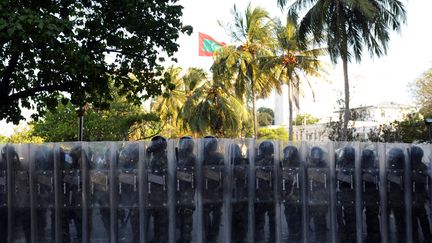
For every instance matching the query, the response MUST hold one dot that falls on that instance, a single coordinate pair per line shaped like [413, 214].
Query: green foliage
[265, 116]
[53, 48]
[423, 92]
[411, 129]
[23, 134]
[305, 118]
[122, 122]
[3, 139]
[275, 134]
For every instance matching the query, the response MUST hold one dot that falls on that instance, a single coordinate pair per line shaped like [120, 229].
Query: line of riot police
[118, 192]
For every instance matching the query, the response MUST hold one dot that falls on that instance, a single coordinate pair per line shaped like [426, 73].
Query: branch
[35, 90]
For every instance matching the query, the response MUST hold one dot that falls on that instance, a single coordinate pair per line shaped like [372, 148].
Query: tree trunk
[347, 109]
[290, 112]
[254, 110]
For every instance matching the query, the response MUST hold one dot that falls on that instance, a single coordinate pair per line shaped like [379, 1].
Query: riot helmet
[9, 152]
[210, 144]
[368, 158]
[265, 149]
[316, 155]
[346, 157]
[158, 144]
[186, 145]
[291, 156]
[416, 154]
[128, 157]
[43, 158]
[396, 158]
[235, 152]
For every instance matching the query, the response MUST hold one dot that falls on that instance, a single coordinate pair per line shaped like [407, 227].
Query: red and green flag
[208, 45]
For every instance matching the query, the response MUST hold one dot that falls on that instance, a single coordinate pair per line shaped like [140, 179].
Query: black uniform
[185, 192]
[72, 193]
[44, 165]
[318, 193]
[291, 193]
[420, 195]
[370, 196]
[213, 188]
[240, 195]
[157, 188]
[395, 192]
[128, 211]
[345, 189]
[264, 191]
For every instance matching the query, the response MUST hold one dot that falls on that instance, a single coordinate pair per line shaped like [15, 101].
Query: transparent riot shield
[395, 182]
[128, 213]
[345, 157]
[157, 172]
[318, 185]
[185, 187]
[19, 206]
[42, 158]
[419, 156]
[370, 192]
[99, 195]
[291, 200]
[3, 194]
[75, 162]
[239, 166]
[212, 178]
[265, 227]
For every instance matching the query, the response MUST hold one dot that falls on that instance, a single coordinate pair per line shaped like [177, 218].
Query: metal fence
[215, 190]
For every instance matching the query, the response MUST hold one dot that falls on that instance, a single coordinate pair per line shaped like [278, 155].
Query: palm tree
[347, 27]
[213, 109]
[240, 63]
[291, 60]
[169, 104]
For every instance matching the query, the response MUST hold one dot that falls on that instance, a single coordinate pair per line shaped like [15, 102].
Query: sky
[372, 81]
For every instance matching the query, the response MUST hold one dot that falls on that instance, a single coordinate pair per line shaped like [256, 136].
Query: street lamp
[428, 122]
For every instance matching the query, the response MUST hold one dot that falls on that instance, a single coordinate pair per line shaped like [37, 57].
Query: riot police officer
[185, 188]
[99, 185]
[44, 165]
[7, 152]
[240, 195]
[291, 191]
[395, 193]
[345, 191]
[264, 191]
[318, 194]
[370, 195]
[157, 187]
[72, 186]
[128, 211]
[213, 188]
[420, 192]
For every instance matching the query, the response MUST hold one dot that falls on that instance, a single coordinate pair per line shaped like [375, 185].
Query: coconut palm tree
[239, 65]
[347, 27]
[172, 100]
[213, 109]
[291, 60]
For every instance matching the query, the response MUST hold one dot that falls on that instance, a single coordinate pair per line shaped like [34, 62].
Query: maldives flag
[208, 45]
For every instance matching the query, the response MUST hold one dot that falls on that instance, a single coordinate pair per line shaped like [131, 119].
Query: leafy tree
[423, 92]
[347, 27]
[305, 118]
[411, 129]
[3, 139]
[265, 116]
[275, 134]
[291, 59]
[121, 122]
[213, 109]
[23, 134]
[59, 48]
[241, 63]
[169, 104]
